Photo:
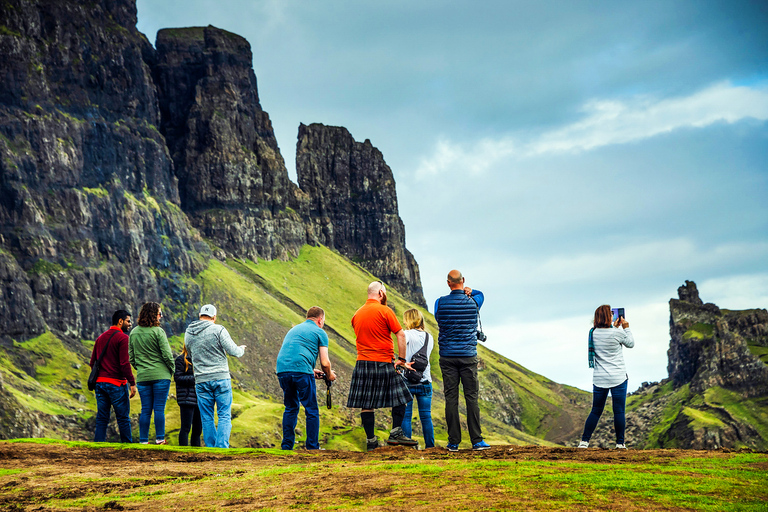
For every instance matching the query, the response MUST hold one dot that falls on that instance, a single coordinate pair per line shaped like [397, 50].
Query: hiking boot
[482, 445]
[621, 447]
[397, 436]
[584, 444]
[452, 447]
[372, 444]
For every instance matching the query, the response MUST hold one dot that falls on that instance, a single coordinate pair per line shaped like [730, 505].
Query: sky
[561, 154]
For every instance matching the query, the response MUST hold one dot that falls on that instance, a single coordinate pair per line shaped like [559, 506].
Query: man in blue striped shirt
[456, 315]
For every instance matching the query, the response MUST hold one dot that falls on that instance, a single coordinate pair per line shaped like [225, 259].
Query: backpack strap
[104, 350]
[423, 349]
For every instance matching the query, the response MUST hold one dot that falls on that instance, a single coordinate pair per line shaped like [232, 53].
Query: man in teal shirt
[296, 371]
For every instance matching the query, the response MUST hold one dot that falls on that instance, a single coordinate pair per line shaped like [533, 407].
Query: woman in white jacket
[606, 342]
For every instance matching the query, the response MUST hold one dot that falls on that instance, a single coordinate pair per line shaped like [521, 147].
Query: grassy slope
[258, 303]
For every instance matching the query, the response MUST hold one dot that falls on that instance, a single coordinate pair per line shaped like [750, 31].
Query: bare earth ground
[60, 477]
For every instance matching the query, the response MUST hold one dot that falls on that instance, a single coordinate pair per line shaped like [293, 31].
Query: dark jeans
[190, 418]
[299, 388]
[109, 396]
[422, 394]
[599, 396]
[154, 394]
[461, 370]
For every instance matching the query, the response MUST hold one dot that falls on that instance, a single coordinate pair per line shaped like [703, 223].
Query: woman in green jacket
[150, 354]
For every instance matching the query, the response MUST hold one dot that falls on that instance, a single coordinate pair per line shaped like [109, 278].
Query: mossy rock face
[699, 331]
[43, 267]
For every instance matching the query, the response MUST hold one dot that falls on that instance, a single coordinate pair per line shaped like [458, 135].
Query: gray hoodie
[208, 345]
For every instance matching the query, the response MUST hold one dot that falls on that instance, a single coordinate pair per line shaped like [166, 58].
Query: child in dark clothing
[186, 397]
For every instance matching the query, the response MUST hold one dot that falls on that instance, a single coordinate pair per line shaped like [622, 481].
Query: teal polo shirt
[301, 347]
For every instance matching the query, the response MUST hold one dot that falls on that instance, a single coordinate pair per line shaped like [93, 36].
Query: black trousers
[461, 370]
[190, 418]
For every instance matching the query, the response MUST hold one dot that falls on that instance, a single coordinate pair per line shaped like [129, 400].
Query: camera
[618, 313]
[481, 336]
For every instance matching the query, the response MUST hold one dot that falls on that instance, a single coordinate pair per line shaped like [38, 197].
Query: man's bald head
[455, 280]
[374, 288]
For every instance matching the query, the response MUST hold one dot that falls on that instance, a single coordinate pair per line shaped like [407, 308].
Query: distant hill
[717, 391]
[130, 173]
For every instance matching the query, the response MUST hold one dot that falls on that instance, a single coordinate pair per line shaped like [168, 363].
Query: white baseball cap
[208, 310]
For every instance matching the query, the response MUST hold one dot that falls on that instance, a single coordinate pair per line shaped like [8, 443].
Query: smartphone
[618, 313]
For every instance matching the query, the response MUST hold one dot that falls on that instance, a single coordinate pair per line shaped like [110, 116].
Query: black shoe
[372, 444]
[397, 436]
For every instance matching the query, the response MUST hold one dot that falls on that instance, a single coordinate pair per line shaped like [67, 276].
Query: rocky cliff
[123, 169]
[233, 183]
[89, 209]
[709, 346]
[353, 204]
[717, 391]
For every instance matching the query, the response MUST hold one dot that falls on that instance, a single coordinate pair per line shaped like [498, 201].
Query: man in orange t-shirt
[375, 381]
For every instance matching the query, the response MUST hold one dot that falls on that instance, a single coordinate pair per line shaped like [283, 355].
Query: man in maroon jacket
[114, 375]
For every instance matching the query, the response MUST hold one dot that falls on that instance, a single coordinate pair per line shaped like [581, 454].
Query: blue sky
[561, 154]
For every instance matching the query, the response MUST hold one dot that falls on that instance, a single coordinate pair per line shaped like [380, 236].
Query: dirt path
[57, 477]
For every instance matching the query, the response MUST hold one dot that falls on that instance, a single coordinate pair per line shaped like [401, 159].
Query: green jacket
[150, 354]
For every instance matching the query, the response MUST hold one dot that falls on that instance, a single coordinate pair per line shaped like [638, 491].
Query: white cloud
[638, 260]
[736, 292]
[608, 122]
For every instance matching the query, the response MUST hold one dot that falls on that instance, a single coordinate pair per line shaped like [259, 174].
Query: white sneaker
[621, 447]
[584, 444]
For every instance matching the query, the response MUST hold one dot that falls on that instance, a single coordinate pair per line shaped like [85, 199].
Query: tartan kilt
[376, 385]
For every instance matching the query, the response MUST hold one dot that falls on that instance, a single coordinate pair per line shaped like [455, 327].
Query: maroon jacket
[115, 364]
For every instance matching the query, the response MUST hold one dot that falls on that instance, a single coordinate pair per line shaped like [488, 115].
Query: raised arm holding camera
[605, 354]
[457, 316]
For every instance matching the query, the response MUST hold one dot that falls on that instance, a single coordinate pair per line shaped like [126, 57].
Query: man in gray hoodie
[208, 345]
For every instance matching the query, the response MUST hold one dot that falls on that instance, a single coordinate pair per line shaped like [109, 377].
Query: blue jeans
[599, 396]
[109, 396]
[154, 394]
[299, 388]
[423, 395]
[215, 393]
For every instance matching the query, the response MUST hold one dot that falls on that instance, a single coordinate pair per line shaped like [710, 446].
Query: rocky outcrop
[89, 215]
[353, 204]
[122, 166]
[233, 183]
[709, 347]
[125, 169]
[716, 388]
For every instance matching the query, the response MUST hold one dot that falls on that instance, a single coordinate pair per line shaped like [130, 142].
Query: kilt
[376, 385]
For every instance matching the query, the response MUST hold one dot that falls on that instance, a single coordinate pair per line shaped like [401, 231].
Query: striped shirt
[610, 370]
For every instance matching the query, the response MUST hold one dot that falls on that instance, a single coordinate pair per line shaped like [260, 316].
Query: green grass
[44, 267]
[699, 331]
[752, 412]
[673, 408]
[98, 191]
[702, 419]
[716, 481]
[759, 351]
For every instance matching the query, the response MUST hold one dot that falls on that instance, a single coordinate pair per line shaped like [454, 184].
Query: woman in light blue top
[415, 337]
[606, 342]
